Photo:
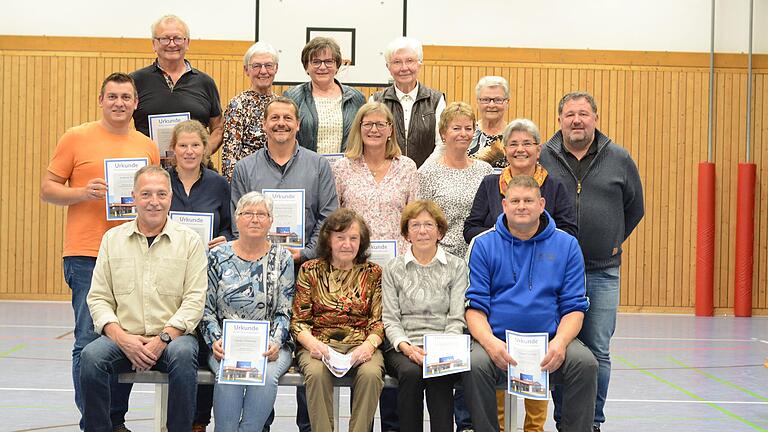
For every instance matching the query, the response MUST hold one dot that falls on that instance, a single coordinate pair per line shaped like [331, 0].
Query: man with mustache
[75, 179]
[147, 297]
[605, 185]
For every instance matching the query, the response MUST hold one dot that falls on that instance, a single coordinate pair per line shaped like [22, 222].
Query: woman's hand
[319, 350]
[272, 353]
[218, 350]
[414, 353]
[216, 241]
[362, 353]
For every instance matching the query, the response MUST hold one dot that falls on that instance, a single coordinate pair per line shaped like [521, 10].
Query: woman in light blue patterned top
[249, 279]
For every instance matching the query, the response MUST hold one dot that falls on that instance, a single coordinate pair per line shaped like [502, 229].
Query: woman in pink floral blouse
[373, 178]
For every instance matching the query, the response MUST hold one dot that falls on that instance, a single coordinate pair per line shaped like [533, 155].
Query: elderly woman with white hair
[243, 133]
[249, 279]
[492, 101]
[416, 107]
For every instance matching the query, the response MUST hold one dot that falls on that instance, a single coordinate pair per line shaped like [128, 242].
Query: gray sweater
[609, 200]
[421, 299]
[305, 170]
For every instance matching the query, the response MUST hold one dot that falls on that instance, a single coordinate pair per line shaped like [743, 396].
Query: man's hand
[156, 345]
[555, 355]
[414, 353]
[497, 351]
[137, 352]
[216, 241]
[96, 189]
[296, 254]
[272, 353]
[362, 353]
[218, 350]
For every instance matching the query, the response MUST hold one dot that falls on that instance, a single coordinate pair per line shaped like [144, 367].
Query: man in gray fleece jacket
[605, 185]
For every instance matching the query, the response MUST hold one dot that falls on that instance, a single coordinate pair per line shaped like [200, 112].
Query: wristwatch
[165, 337]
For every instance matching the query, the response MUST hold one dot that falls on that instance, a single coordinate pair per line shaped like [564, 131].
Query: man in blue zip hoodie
[525, 275]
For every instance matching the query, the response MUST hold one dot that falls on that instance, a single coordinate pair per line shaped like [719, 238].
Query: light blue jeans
[599, 325]
[254, 403]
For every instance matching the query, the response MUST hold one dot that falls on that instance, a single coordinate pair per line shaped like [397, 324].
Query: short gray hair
[253, 199]
[151, 170]
[165, 18]
[492, 81]
[260, 48]
[521, 125]
[404, 42]
[577, 95]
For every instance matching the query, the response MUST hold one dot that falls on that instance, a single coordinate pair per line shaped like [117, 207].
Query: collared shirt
[579, 166]
[146, 288]
[419, 299]
[168, 79]
[305, 170]
[407, 100]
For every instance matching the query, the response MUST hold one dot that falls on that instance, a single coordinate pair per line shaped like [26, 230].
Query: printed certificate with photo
[339, 364]
[244, 343]
[201, 223]
[287, 217]
[527, 379]
[382, 251]
[119, 176]
[160, 131]
[445, 354]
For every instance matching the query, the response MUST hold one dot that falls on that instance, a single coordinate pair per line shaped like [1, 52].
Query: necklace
[376, 170]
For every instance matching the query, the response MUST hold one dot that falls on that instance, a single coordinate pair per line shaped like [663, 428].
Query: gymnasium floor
[670, 373]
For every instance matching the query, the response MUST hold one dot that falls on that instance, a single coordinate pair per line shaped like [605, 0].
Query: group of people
[495, 231]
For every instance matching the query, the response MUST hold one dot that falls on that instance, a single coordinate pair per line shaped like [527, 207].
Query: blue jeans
[78, 271]
[254, 403]
[102, 359]
[597, 330]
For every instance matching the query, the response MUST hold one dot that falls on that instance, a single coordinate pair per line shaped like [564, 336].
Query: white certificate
[445, 354]
[287, 217]
[160, 130]
[119, 176]
[382, 251]
[333, 157]
[339, 364]
[244, 343]
[527, 379]
[201, 223]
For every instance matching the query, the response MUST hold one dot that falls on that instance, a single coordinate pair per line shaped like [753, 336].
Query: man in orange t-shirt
[75, 178]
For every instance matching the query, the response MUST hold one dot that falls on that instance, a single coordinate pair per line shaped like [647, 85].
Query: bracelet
[372, 344]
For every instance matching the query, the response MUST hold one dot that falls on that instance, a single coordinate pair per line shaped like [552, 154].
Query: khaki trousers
[367, 382]
[535, 413]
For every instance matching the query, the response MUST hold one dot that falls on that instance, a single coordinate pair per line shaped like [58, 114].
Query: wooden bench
[290, 379]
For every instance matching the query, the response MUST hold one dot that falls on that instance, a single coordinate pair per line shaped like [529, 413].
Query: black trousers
[410, 395]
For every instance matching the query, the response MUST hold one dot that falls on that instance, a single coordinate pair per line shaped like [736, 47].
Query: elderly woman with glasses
[326, 106]
[492, 101]
[243, 132]
[374, 179]
[423, 292]
[522, 147]
[249, 279]
[338, 306]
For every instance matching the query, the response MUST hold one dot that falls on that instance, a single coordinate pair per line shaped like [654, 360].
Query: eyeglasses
[523, 144]
[407, 63]
[497, 101]
[261, 217]
[379, 125]
[417, 226]
[257, 66]
[329, 63]
[177, 40]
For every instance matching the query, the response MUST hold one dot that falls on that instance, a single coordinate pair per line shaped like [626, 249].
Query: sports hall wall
[652, 100]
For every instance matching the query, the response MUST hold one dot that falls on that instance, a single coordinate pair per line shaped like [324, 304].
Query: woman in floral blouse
[338, 307]
[249, 279]
[373, 178]
[243, 134]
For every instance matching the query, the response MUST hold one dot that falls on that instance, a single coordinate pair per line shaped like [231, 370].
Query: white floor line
[58, 390]
[684, 339]
[65, 327]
